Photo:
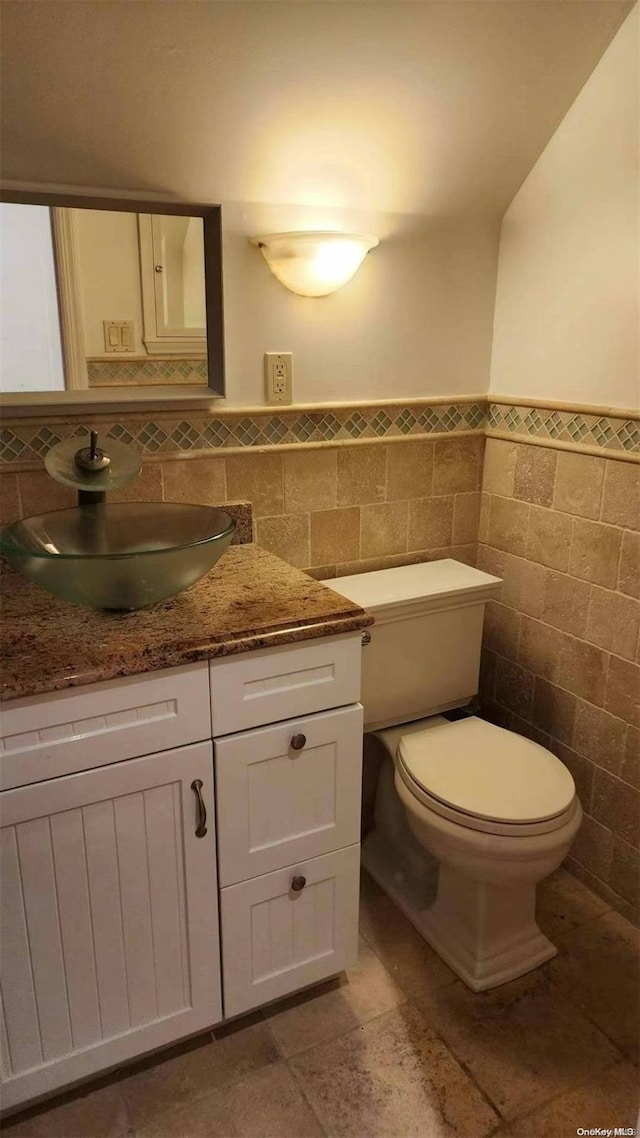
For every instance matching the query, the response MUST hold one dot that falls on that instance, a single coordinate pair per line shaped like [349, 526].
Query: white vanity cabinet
[112, 920]
[109, 919]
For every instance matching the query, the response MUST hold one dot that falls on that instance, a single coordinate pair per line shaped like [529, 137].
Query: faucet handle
[91, 458]
[90, 468]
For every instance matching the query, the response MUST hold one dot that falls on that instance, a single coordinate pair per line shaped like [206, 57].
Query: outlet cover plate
[278, 373]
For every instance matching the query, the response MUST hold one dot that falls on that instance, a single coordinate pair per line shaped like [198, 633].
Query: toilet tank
[424, 653]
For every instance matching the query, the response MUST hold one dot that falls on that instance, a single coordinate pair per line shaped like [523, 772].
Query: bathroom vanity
[180, 813]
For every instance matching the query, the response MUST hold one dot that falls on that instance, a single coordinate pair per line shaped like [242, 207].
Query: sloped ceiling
[436, 109]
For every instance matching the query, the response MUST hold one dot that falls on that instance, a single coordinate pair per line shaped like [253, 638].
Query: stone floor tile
[414, 966]
[563, 903]
[523, 1042]
[598, 968]
[265, 1104]
[100, 1113]
[392, 1077]
[335, 1008]
[610, 1100]
[192, 1072]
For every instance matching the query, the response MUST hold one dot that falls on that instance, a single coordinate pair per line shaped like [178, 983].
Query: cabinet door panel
[280, 804]
[110, 925]
[18, 997]
[275, 940]
[68, 841]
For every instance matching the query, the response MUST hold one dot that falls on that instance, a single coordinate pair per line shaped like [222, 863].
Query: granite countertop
[250, 599]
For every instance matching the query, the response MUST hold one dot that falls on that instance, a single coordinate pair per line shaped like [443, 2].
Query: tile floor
[401, 1048]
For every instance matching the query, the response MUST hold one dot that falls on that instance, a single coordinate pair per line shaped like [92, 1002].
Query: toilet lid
[487, 772]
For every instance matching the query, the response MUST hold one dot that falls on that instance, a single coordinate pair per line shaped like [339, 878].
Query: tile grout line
[457, 1059]
[300, 1085]
[566, 691]
[557, 628]
[556, 1098]
[587, 1016]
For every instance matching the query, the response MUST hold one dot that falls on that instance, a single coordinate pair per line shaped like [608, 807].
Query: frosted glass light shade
[314, 264]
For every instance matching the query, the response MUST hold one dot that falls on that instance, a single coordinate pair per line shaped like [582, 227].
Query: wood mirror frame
[141, 398]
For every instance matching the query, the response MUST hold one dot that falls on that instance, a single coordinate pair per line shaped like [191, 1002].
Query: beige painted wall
[109, 268]
[431, 116]
[567, 317]
[414, 321]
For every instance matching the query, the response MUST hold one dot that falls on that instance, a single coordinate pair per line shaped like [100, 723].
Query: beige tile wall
[332, 510]
[562, 646]
[562, 652]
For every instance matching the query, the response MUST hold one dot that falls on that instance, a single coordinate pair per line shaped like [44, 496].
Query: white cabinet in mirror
[108, 300]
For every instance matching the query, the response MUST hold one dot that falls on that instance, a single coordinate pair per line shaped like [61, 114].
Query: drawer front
[278, 804]
[276, 940]
[78, 729]
[278, 683]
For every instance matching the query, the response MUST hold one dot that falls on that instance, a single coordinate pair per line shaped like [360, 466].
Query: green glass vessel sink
[121, 555]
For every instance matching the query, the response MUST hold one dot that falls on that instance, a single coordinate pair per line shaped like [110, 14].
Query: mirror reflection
[98, 298]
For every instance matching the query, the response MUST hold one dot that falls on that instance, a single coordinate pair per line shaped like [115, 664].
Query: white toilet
[469, 816]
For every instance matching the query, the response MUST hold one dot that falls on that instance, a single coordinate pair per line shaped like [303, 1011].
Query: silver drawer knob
[298, 883]
[366, 638]
[298, 742]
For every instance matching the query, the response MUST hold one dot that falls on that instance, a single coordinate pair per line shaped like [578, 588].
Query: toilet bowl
[469, 817]
[493, 842]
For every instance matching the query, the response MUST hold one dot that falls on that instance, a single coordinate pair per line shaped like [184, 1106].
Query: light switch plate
[118, 336]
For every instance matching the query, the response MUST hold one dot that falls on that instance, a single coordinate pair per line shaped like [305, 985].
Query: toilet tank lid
[406, 584]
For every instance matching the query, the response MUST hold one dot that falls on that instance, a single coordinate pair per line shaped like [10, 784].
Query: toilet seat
[483, 777]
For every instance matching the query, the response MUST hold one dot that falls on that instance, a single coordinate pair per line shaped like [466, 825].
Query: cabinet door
[109, 918]
[288, 929]
[288, 792]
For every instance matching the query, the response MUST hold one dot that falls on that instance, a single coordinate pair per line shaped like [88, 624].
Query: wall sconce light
[314, 264]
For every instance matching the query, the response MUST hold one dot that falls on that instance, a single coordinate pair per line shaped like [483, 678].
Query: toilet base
[486, 934]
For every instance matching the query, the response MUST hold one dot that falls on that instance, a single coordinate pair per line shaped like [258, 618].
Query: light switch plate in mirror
[178, 356]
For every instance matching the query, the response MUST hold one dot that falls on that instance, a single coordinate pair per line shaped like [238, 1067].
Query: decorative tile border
[126, 372]
[577, 429]
[29, 440]
[25, 442]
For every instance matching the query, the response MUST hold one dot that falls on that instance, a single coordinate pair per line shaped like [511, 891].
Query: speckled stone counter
[251, 599]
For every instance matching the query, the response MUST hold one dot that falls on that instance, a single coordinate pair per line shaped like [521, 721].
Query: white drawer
[278, 683]
[77, 729]
[276, 940]
[277, 804]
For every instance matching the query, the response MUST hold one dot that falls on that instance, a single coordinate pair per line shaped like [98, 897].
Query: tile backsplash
[331, 510]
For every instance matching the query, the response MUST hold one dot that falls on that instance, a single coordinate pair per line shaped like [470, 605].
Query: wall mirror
[108, 301]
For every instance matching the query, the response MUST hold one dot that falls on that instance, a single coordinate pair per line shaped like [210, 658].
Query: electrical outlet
[278, 370]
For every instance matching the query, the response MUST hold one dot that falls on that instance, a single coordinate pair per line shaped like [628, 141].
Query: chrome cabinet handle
[366, 638]
[298, 883]
[201, 827]
[298, 742]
